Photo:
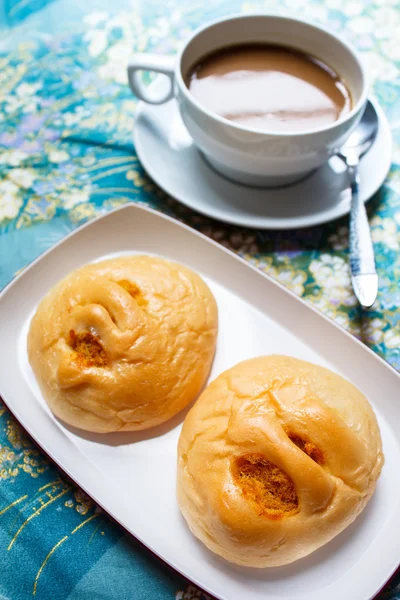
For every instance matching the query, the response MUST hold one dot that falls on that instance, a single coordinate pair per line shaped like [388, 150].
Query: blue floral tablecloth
[66, 155]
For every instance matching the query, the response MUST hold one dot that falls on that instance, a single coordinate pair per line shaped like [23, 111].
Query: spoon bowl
[364, 134]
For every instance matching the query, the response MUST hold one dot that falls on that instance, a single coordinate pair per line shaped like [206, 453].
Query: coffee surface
[270, 88]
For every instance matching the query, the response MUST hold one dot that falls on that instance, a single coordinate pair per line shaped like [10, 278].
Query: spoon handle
[364, 278]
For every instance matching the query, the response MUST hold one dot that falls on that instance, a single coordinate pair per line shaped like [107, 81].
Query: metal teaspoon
[364, 278]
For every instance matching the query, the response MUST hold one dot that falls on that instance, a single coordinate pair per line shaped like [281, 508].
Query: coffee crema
[269, 88]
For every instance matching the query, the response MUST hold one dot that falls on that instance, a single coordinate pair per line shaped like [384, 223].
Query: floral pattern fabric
[66, 156]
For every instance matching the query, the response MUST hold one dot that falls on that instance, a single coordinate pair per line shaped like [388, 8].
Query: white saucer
[169, 156]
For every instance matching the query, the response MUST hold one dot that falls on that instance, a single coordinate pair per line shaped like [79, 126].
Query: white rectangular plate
[132, 476]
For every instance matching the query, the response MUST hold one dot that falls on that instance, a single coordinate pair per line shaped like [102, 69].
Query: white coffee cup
[247, 155]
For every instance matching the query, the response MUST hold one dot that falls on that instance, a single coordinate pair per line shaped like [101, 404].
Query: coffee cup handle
[151, 62]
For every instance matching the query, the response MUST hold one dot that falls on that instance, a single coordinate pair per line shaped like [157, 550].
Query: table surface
[66, 155]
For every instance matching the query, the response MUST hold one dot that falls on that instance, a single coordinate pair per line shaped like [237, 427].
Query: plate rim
[267, 223]
[66, 471]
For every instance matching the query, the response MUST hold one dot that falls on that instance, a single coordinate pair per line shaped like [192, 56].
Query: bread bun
[276, 458]
[123, 344]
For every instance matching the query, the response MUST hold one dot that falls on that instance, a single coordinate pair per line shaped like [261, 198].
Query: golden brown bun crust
[123, 344]
[276, 457]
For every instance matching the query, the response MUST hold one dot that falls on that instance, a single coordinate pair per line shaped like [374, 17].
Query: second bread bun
[276, 458]
[123, 344]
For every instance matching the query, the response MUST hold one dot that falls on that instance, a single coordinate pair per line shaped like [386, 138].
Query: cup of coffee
[266, 99]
